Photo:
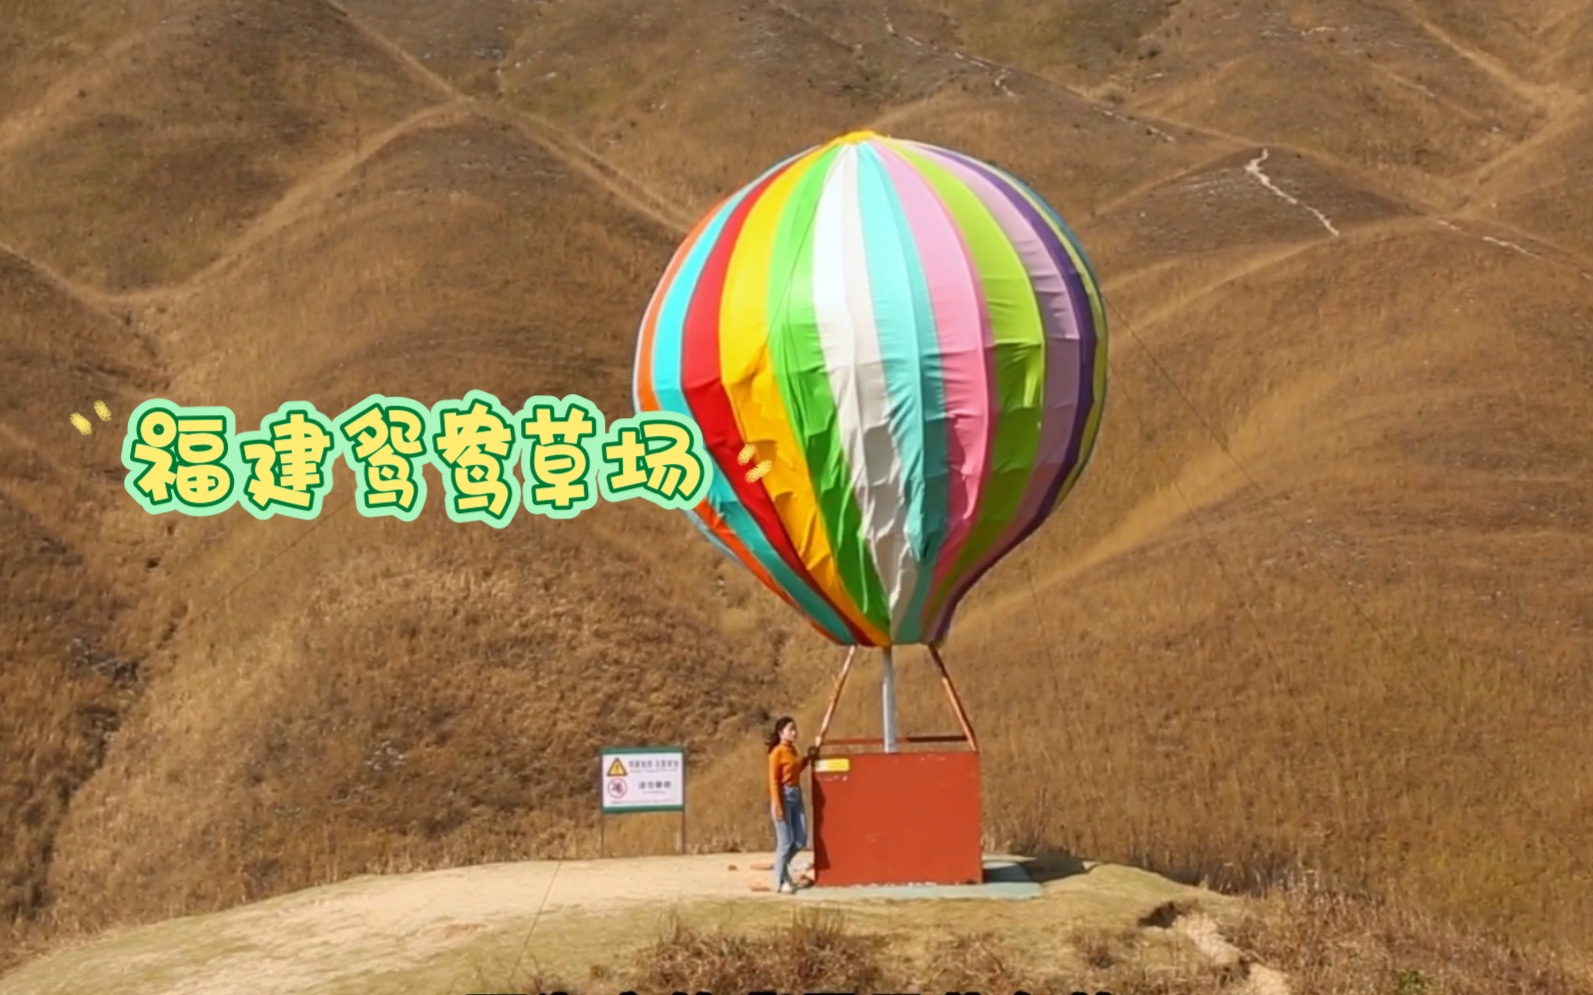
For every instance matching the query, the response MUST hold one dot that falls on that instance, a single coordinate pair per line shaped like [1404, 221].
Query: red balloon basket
[897, 816]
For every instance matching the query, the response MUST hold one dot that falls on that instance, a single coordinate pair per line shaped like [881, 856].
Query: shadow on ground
[1053, 867]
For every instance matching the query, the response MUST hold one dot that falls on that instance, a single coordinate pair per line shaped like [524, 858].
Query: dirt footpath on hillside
[481, 929]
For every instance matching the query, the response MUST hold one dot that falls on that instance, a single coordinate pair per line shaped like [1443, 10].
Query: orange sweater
[785, 770]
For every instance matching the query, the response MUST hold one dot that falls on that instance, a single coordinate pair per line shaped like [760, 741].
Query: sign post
[641, 779]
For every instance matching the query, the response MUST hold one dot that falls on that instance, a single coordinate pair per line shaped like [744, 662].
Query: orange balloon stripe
[649, 402]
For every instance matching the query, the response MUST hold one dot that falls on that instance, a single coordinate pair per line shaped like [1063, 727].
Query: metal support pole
[956, 702]
[835, 697]
[888, 696]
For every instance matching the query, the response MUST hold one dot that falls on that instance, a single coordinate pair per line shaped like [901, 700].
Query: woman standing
[785, 799]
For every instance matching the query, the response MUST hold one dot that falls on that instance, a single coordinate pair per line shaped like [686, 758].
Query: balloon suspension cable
[835, 697]
[887, 687]
[956, 702]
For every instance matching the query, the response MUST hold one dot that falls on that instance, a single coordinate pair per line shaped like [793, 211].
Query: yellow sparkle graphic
[83, 425]
[746, 456]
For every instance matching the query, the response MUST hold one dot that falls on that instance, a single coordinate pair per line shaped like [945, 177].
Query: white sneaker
[786, 889]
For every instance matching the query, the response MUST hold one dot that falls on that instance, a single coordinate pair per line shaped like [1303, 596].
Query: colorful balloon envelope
[896, 355]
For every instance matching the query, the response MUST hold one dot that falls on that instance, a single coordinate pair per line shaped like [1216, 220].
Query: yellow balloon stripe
[747, 372]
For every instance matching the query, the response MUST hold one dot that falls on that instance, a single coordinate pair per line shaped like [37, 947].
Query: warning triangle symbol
[616, 769]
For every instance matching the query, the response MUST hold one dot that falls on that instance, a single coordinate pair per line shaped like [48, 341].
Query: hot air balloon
[896, 355]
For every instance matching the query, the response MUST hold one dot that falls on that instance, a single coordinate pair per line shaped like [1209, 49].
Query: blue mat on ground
[1003, 879]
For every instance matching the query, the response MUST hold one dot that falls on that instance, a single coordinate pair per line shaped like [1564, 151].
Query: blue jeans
[790, 834]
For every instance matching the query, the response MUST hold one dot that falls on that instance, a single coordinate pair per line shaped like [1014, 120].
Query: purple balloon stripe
[1034, 513]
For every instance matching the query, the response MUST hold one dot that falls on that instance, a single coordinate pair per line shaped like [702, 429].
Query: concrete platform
[1004, 879]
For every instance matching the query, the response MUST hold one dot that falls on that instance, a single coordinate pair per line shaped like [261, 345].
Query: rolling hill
[1320, 601]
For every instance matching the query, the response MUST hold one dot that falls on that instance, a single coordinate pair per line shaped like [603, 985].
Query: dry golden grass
[1331, 674]
[67, 601]
[180, 137]
[43, 44]
[1322, 600]
[1320, 941]
[699, 96]
[418, 701]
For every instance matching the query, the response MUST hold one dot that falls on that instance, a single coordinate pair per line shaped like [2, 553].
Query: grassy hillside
[1321, 600]
[433, 691]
